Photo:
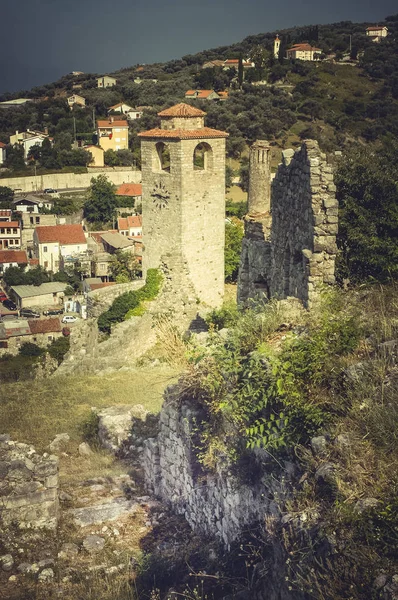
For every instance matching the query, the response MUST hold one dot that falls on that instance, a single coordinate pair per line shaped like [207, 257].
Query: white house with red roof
[10, 235]
[130, 226]
[202, 94]
[2, 153]
[56, 244]
[303, 52]
[377, 32]
[130, 190]
[12, 258]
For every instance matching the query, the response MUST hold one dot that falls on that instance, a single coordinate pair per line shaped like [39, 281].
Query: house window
[45, 264]
[2, 230]
[50, 338]
[37, 220]
[11, 242]
[15, 230]
[44, 248]
[8, 230]
[31, 220]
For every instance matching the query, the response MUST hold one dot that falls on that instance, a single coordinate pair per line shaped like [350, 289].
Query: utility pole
[74, 130]
[350, 43]
[94, 119]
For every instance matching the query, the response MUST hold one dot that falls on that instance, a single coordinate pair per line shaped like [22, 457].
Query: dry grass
[34, 412]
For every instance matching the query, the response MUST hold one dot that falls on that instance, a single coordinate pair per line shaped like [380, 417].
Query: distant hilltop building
[206, 95]
[106, 81]
[277, 45]
[230, 63]
[14, 103]
[303, 52]
[377, 32]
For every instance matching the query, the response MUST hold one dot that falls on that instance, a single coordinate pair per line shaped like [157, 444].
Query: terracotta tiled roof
[223, 94]
[33, 262]
[130, 221]
[182, 110]
[183, 134]
[303, 47]
[376, 28]
[64, 234]
[45, 325]
[2, 145]
[205, 93]
[190, 93]
[12, 256]
[115, 123]
[5, 212]
[9, 224]
[129, 189]
[98, 286]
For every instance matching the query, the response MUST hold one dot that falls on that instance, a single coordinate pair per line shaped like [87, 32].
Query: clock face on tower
[160, 195]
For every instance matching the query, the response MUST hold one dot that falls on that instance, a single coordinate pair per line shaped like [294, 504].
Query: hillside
[338, 101]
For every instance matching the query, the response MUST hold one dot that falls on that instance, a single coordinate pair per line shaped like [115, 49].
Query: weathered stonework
[292, 250]
[28, 487]
[184, 206]
[100, 300]
[215, 504]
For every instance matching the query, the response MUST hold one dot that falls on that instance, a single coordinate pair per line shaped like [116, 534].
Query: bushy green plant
[226, 316]
[30, 349]
[58, 348]
[124, 304]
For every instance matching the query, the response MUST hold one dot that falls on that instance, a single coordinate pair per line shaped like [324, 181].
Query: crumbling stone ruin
[28, 489]
[289, 247]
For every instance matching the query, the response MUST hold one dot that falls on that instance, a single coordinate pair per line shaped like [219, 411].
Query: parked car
[9, 304]
[3, 296]
[69, 319]
[53, 311]
[30, 314]
[50, 191]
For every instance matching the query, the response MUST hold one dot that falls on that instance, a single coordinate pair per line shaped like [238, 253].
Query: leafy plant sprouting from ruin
[256, 395]
[130, 303]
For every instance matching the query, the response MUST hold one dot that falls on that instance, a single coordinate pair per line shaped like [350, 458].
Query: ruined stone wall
[28, 488]
[293, 252]
[215, 504]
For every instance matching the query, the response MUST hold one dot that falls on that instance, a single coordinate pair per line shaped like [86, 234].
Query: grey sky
[42, 40]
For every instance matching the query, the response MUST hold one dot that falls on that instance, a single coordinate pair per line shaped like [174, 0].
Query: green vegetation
[38, 275]
[124, 267]
[124, 304]
[233, 246]
[367, 190]
[101, 203]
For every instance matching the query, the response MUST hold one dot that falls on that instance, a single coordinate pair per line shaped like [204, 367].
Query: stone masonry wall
[28, 487]
[293, 251]
[214, 504]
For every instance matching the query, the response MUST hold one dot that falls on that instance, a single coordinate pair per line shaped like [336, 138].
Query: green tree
[233, 247]
[6, 196]
[367, 190]
[240, 71]
[101, 202]
[124, 266]
[15, 158]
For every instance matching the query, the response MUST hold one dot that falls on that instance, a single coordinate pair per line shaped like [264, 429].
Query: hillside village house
[31, 204]
[124, 109]
[202, 95]
[303, 52]
[12, 258]
[211, 64]
[106, 81]
[130, 190]
[47, 294]
[27, 139]
[76, 99]
[5, 214]
[113, 134]
[13, 333]
[377, 32]
[97, 154]
[29, 223]
[58, 243]
[14, 103]
[2, 153]
[10, 235]
[130, 226]
[233, 63]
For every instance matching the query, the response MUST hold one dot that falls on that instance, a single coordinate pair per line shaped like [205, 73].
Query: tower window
[163, 157]
[203, 157]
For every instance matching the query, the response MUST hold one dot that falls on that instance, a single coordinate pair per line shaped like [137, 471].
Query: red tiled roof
[303, 47]
[184, 134]
[9, 224]
[108, 123]
[45, 325]
[11, 256]
[5, 212]
[64, 234]
[376, 28]
[182, 110]
[129, 189]
[190, 93]
[2, 145]
[33, 261]
[130, 221]
[205, 93]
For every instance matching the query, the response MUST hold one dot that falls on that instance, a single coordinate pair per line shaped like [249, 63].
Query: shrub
[30, 349]
[124, 304]
[58, 348]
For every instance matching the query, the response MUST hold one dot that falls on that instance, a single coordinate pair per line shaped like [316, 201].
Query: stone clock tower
[183, 200]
